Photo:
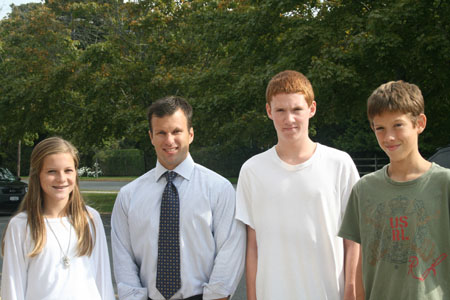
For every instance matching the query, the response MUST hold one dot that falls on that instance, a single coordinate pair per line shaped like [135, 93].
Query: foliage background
[87, 70]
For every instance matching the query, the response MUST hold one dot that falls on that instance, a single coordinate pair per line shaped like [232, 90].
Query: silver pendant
[66, 261]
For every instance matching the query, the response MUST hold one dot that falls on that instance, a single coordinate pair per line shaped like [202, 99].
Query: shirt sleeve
[126, 270]
[229, 236]
[15, 262]
[243, 199]
[350, 228]
[100, 257]
[351, 176]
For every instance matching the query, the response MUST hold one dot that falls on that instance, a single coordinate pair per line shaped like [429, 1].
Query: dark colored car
[442, 157]
[12, 191]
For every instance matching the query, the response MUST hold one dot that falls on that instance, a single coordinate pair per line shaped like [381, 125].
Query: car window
[6, 175]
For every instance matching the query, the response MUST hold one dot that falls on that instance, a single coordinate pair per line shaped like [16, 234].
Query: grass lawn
[233, 180]
[103, 203]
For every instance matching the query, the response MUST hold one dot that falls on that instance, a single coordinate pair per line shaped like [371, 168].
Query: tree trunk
[19, 146]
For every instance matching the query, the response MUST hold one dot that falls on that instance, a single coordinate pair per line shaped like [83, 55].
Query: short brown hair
[290, 82]
[396, 96]
[168, 106]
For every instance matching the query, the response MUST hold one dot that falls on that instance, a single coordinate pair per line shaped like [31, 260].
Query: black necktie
[168, 278]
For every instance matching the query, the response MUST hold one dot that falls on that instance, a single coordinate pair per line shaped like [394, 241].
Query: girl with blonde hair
[55, 246]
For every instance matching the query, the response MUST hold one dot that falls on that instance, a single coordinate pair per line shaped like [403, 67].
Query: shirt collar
[184, 169]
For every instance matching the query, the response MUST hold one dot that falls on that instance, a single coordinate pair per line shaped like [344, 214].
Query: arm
[126, 270]
[251, 263]
[15, 263]
[100, 257]
[353, 274]
[229, 237]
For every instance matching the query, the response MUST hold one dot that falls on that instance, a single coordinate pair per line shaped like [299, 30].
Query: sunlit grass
[102, 202]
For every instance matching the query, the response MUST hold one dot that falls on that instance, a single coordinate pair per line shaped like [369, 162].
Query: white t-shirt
[44, 276]
[296, 212]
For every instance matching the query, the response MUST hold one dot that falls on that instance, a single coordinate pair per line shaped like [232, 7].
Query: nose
[389, 136]
[289, 117]
[170, 139]
[61, 177]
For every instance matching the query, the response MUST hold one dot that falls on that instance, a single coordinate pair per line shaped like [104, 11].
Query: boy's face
[290, 114]
[171, 138]
[397, 135]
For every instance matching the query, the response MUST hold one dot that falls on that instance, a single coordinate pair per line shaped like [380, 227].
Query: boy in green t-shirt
[400, 214]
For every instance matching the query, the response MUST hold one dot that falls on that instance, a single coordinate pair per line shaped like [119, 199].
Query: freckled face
[397, 135]
[58, 177]
[290, 114]
[171, 138]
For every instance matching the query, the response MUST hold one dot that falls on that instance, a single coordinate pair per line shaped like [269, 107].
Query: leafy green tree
[87, 70]
[34, 49]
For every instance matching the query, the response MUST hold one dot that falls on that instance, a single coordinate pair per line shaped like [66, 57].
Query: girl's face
[58, 178]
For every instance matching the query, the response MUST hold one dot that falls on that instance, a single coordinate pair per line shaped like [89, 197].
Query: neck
[55, 210]
[407, 170]
[295, 153]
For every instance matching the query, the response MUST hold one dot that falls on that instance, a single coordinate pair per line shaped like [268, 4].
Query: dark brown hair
[396, 96]
[167, 106]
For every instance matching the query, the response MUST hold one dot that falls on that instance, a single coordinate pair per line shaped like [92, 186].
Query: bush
[95, 171]
[223, 160]
[121, 162]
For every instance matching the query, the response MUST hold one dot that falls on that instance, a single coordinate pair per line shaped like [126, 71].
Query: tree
[33, 48]
[87, 70]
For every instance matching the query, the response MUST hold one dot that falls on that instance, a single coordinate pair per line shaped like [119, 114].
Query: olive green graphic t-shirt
[404, 232]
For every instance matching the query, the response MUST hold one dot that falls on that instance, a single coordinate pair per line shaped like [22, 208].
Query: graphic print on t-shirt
[400, 229]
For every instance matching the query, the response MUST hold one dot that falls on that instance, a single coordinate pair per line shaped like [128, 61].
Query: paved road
[102, 185]
[109, 186]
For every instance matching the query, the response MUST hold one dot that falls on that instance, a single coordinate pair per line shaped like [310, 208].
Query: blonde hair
[33, 202]
[290, 82]
[396, 96]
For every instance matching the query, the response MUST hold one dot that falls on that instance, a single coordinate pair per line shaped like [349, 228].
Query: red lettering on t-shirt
[399, 234]
[414, 261]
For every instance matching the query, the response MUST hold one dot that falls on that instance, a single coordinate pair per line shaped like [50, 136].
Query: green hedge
[121, 162]
[223, 160]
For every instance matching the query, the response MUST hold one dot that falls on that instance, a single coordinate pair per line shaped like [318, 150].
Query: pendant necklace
[65, 258]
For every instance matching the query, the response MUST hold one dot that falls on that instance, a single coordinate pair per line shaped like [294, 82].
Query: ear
[191, 135]
[150, 134]
[312, 109]
[421, 123]
[269, 111]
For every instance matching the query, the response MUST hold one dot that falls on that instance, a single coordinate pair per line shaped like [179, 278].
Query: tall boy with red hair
[292, 199]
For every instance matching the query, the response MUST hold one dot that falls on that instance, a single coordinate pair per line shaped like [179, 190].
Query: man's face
[171, 138]
[290, 114]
